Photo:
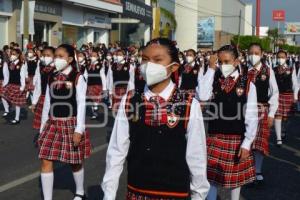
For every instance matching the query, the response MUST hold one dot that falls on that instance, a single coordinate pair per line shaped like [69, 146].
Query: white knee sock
[18, 110]
[5, 105]
[235, 193]
[79, 179]
[278, 128]
[47, 185]
[213, 192]
[258, 157]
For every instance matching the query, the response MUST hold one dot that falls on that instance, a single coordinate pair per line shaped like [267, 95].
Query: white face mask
[94, 59]
[60, 64]
[281, 61]
[13, 58]
[254, 59]
[80, 59]
[30, 55]
[115, 58]
[48, 60]
[154, 73]
[227, 70]
[189, 59]
[108, 57]
[120, 59]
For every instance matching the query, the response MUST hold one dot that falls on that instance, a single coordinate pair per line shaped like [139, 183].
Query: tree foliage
[244, 42]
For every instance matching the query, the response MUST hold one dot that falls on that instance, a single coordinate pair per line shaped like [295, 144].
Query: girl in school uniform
[288, 93]
[32, 62]
[231, 132]
[121, 78]
[82, 64]
[14, 93]
[44, 69]
[1, 72]
[161, 134]
[267, 100]
[139, 81]
[189, 77]
[63, 136]
[96, 82]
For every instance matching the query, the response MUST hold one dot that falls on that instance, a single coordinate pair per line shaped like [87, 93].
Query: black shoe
[83, 197]
[5, 114]
[279, 143]
[14, 122]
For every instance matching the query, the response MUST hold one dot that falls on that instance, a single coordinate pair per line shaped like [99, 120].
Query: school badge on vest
[263, 77]
[288, 72]
[68, 85]
[195, 72]
[172, 120]
[125, 68]
[240, 91]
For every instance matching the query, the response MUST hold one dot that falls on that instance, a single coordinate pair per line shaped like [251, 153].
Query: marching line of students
[159, 128]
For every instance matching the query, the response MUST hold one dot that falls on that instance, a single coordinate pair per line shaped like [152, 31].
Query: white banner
[31, 6]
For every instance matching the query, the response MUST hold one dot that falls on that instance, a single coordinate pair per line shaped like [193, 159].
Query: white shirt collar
[258, 67]
[67, 70]
[16, 61]
[235, 74]
[165, 94]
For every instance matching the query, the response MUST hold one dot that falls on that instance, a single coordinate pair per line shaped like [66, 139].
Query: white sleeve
[86, 75]
[46, 109]
[23, 75]
[116, 153]
[81, 88]
[110, 81]
[273, 94]
[205, 85]
[251, 118]
[196, 154]
[5, 74]
[295, 84]
[103, 78]
[131, 85]
[37, 86]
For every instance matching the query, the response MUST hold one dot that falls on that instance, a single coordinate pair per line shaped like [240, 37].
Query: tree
[275, 36]
[244, 42]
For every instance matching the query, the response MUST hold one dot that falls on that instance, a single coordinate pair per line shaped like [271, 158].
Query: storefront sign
[137, 10]
[98, 21]
[48, 8]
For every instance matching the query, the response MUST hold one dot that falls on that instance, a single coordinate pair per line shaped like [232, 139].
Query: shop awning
[98, 5]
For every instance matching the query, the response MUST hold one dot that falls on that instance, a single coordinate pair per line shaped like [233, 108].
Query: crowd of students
[162, 98]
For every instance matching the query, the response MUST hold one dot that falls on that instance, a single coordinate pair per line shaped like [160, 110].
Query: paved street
[19, 177]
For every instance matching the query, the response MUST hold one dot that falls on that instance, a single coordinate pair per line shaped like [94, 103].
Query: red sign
[278, 15]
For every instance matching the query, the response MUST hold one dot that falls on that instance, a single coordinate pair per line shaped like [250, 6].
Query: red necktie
[156, 112]
[227, 84]
[60, 79]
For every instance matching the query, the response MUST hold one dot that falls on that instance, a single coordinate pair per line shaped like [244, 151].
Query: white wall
[72, 15]
[248, 19]
[186, 32]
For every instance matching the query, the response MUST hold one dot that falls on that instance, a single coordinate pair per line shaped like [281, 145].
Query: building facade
[211, 24]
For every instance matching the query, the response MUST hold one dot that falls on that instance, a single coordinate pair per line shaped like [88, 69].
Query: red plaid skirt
[94, 93]
[286, 103]
[1, 87]
[118, 94]
[38, 113]
[261, 142]
[223, 167]
[133, 195]
[13, 95]
[56, 142]
[29, 84]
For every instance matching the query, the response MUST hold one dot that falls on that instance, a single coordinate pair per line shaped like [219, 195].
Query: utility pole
[257, 17]
[26, 23]
[240, 25]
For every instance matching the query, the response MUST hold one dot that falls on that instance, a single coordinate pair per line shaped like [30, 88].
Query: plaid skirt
[118, 94]
[56, 142]
[286, 105]
[1, 87]
[94, 93]
[38, 113]
[223, 167]
[134, 195]
[261, 142]
[13, 95]
[29, 84]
